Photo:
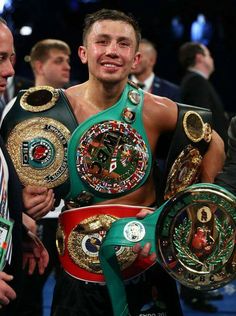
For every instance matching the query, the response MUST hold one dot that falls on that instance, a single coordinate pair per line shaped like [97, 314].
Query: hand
[38, 201]
[34, 254]
[144, 251]
[6, 292]
[29, 223]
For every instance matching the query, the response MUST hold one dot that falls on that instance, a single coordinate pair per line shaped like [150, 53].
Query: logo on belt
[112, 157]
[38, 148]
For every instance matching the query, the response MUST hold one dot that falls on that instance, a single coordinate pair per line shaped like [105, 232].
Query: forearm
[213, 160]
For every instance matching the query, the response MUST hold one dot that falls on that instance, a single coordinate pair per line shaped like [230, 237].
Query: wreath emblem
[220, 251]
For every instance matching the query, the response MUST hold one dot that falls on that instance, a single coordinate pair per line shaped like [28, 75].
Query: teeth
[109, 65]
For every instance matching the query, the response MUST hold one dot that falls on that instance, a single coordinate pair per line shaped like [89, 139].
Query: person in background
[196, 88]
[110, 48]
[143, 74]
[13, 201]
[50, 62]
[14, 85]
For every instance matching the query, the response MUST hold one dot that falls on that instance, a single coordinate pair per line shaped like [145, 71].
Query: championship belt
[80, 234]
[189, 144]
[193, 235]
[109, 154]
[36, 131]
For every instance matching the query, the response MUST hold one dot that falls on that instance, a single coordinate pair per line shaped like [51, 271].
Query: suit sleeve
[227, 177]
[201, 97]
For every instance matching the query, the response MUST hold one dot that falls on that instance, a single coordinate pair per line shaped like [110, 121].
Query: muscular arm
[213, 160]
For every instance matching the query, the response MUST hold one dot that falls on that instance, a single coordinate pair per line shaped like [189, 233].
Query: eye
[124, 44]
[2, 57]
[102, 42]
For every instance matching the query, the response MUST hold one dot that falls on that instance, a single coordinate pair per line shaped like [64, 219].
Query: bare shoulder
[75, 91]
[161, 111]
[75, 94]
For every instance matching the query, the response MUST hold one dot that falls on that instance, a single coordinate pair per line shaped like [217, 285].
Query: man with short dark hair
[50, 62]
[119, 146]
[196, 89]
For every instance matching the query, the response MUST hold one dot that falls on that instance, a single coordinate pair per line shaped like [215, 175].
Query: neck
[144, 75]
[43, 82]
[202, 70]
[106, 94]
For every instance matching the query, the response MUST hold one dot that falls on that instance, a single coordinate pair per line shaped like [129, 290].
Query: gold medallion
[193, 126]
[38, 149]
[184, 171]
[38, 99]
[85, 239]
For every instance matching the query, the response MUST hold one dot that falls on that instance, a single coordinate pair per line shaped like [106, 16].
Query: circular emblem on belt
[184, 171]
[38, 149]
[38, 99]
[134, 97]
[201, 250]
[193, 126]
[112, 157]
[128, 115]
[85, 240]
[134, 231]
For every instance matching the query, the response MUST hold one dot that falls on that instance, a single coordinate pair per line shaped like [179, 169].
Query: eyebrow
[5, 54]
[121, 38]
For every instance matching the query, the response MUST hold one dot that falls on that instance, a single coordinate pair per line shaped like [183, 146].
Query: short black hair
[188, 52]
[108, 14]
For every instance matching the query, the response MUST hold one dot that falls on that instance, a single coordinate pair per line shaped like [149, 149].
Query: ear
[82, 52]
[38, 66]
[198, 58]
[136, 60]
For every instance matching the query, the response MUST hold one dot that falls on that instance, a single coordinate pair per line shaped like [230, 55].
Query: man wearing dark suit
[196, 89]
[14, 200]
[144, 76]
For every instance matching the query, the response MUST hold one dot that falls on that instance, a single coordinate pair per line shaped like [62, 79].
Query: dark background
[63, 19]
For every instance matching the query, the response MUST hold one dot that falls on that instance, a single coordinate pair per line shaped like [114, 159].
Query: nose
[67, 65]
[112, 49]
[7, 69]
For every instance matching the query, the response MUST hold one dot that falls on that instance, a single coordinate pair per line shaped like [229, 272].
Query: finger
[45, 258]
[41, 209]
[6, 277]
[7, 294]
[39, 200]
[153, 257]
[32, 265]
[136, 248]
[10, 293]
[144, 212]
[30, 189]
[4, 300]
[146, 250]
[41, 266]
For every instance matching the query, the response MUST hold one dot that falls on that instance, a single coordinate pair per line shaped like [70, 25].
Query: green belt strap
[109, 261]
